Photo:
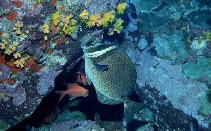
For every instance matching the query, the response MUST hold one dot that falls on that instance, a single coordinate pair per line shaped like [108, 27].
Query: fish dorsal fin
[106, 100]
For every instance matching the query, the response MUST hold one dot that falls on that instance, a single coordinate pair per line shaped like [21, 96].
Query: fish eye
[80, 29]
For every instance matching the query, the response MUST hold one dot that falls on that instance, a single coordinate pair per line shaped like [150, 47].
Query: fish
[112, 73]
[49, 118]
[109, 69]
[74, 90]
[81, 78]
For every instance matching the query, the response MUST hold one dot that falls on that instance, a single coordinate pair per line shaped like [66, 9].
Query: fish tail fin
[61, 94]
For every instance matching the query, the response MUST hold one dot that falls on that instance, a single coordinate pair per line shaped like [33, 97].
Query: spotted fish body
[113, 83]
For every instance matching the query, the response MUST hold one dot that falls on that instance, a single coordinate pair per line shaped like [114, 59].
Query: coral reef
[168, 41]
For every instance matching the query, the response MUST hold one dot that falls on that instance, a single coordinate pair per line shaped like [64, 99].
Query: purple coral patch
[46, 80]
[19, 96]
[4, 72]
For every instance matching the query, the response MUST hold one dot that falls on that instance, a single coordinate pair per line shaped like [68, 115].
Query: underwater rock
[75, 125]
[200, 18]
[145, 5]
[93, 6]
[145, 115]
[142, 43]
[99, 6]
[109, 125]
[148, 21]
[198, 70]
[179, 90]
[33, 85]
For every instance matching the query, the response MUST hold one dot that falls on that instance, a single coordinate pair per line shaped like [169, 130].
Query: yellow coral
[108, 17]
[12, 48]
[19, 24]
[118, 25]
[24, 36]
[69, 30]
[66, 20]
[45, 29]
[20, 63]
[8, 51]
[45, 26]
[61, 24]
[5, 35]
[84, 15]
[55, 16]
[18, 32]
[45, 37]
[56, 22]
[17, 55]
[3, 44]
[73, 22]
[121, 8]
[94, 20]
[15, 43]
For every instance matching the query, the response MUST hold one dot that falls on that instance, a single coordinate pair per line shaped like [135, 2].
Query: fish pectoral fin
[100, 67]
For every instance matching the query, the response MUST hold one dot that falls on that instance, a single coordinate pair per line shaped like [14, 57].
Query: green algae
[3, 125]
